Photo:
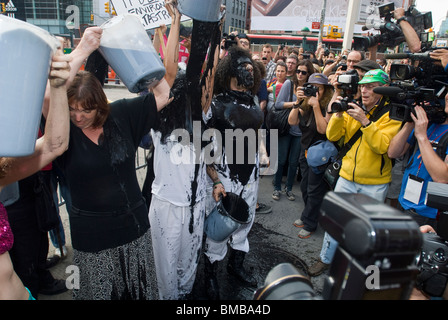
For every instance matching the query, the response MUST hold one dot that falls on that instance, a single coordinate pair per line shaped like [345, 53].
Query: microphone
[397, 56]
[393, 92]
[413, 56]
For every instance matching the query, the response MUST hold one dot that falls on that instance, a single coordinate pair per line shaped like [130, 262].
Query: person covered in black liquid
[233, 107]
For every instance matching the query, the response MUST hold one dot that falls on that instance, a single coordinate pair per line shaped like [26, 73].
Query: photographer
[365, 168]
[309, 113]
[420, 137]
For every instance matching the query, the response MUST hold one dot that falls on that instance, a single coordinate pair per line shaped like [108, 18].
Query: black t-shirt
[307, 125]
[106, 198]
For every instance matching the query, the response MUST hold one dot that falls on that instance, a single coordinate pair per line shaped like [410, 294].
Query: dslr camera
[309, 90]
[230, 40]
[348, 82]
[433, 260]
[374, 241]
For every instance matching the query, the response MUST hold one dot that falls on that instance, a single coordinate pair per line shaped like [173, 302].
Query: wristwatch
[401, 19]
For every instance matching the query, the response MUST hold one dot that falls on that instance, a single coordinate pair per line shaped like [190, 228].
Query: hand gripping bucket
[229, 214]
[202, 10]
[129, 51]
[25, 55]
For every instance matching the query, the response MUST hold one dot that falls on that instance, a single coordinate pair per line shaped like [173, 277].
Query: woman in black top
[109, 218]
[310, 114]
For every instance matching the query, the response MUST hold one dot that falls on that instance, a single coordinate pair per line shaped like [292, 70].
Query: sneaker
[276, 195]
[304, 234]
[263, 209]
[318, 268]
[298, 223]
[290, 196]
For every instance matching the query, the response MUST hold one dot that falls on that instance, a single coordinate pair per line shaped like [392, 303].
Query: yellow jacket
[367, 161]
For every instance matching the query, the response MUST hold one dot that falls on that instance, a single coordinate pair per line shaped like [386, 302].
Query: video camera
[391, 34]
[348, 82]
[415, 85]
[376, 242]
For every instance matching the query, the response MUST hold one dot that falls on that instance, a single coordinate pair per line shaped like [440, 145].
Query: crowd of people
[125, 240]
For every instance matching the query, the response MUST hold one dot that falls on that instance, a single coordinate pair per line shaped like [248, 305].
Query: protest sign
[152, 12]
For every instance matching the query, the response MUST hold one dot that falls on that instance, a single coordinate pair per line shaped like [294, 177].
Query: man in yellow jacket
[366, 168]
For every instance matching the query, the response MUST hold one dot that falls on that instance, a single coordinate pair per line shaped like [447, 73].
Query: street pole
[322, 21]
[352, 17]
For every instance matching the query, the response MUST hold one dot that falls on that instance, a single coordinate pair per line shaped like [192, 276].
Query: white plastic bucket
[202, 10]
[25, 55]
[228, 215]
[129, 51]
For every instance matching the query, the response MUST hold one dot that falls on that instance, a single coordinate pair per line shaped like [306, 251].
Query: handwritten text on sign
[152, 12]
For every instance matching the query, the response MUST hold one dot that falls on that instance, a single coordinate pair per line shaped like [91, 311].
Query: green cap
[376, 75]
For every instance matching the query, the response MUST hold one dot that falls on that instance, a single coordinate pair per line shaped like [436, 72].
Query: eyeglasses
[369, 86]
[302, 72]
[353, 61]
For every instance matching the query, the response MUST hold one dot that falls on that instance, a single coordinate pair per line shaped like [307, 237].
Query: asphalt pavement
[273, 240]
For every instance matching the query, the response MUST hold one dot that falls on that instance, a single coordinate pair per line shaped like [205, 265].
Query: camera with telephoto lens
[309, 90]
[374, 259]
[348, 83]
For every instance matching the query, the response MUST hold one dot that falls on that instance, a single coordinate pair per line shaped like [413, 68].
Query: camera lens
[285, 282]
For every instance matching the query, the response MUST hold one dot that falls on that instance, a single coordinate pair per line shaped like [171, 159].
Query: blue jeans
[288, 149]
[376, 191]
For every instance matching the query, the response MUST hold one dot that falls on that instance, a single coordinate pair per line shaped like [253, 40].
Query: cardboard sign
[152, 12]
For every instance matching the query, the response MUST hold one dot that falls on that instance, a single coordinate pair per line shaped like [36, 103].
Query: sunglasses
[302, 72]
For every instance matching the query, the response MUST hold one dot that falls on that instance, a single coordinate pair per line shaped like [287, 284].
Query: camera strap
[378, 113]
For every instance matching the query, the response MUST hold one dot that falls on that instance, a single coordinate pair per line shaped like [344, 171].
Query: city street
[273, 240]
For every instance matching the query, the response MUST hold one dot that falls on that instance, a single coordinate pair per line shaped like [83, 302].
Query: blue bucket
[25, 55]
[202, 10]
[228, 215]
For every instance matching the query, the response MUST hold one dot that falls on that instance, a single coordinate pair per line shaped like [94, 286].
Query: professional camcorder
[375, 258]
[411, 85]
[348, 83]
[391, 34]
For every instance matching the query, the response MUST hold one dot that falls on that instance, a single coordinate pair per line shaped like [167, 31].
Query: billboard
[293, 15]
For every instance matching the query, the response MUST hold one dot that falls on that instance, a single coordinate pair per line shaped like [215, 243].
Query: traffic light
[107, 7]
[3, 8]
[91, 17]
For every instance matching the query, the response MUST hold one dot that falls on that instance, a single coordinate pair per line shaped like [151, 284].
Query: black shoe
[52, 261]
[263, 209]
[53, 288]
[235, 267]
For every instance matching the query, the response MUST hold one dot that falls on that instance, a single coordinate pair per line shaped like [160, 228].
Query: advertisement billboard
[294, 15]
